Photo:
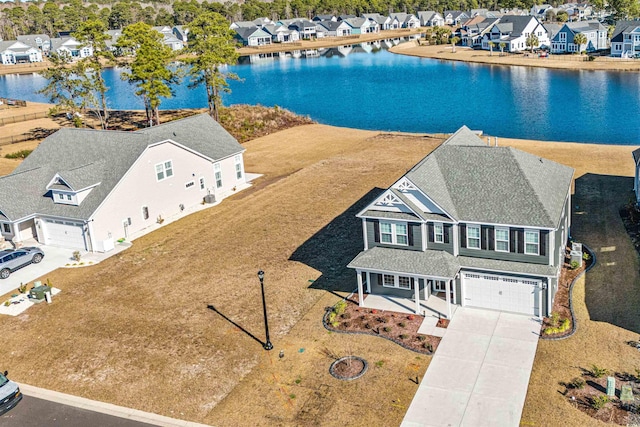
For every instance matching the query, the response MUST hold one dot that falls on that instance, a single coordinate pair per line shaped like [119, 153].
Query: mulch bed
[348, 368]
[614, 411]
[561, 301]
[630, 216]
[442, 323]
[400, 328]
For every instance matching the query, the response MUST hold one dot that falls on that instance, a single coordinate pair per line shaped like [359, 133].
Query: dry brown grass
[485, 57]
[135, 330]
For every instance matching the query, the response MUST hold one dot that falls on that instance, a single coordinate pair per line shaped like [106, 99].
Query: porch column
[448, 287]
[360, 294]
[368, 282]
[416, 291]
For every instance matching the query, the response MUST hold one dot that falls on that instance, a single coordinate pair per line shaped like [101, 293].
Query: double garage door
[64, 234]
[502, 293]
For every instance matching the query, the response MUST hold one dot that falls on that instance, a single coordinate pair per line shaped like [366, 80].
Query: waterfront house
[335, 28]
[305, 28]
[595, 33]
[454, 17]
[85, 189]
[473, 30]
[39, 41]
[70, 47]
[362, 26]
[169, 38]
[406, 20]
[625, 41]
[181, 32]
[470, 225]
[429, 18]
[384, 22]
[14, 52]
[513, 31]
[253, 36]
[319, 18]
[281, 34]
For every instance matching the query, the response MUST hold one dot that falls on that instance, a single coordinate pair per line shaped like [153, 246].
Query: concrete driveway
[480, 373]
[53, 258]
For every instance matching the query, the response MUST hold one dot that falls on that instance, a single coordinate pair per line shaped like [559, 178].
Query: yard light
[267, 345]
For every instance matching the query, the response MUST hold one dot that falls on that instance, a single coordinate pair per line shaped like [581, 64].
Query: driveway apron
[480, 372]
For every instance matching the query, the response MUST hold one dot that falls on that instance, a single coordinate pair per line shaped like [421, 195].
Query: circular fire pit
[348, 368]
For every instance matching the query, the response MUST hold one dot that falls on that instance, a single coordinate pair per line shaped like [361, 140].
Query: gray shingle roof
[623, 27]
[508, 266]
[475, 182]
[80, 156]
[636, 155]
[391, 215]
[427, 263]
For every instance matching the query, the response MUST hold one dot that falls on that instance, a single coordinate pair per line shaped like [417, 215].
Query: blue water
[383, 91]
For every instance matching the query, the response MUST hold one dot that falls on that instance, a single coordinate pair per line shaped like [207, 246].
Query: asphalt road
[32, 412]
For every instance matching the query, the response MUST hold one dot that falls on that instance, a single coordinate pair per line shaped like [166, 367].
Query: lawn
[168, 326]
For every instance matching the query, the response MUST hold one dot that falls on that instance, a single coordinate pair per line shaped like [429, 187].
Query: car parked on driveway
[13, 259]
[10, 393]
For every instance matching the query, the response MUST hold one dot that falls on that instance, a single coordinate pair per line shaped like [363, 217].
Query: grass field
[137, 329]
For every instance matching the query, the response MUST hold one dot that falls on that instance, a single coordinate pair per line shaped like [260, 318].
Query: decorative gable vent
[389, 200]
[405, 185]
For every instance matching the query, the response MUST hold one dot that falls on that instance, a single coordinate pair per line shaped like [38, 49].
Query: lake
[366, 87]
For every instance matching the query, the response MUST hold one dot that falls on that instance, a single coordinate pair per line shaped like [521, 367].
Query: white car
[10, 393]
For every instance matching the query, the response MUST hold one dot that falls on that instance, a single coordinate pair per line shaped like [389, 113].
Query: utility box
[209, 198]
[576, 247]
[576, 256]
[37, 293]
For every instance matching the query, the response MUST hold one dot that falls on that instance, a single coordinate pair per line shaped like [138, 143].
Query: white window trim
[479, 238]
[436, 234]
[6, 225]
[394, 233]
[164, 170]
[396, 282]
[238, 167]
[537, 233]
[495, 239]
[217, 169]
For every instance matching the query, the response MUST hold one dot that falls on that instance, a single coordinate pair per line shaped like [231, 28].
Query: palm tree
[502, 46]
[579, 39]
[454, 40]
[491, 45]
[532, 41]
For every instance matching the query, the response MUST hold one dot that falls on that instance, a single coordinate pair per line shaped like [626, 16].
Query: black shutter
[491, 236]
[376, 231]
[410, 233]
[512, 240]
[379, 279]
[483, 237]
[520, 241]
[431, 232]
[463, 235]
[544, 235]
[447, 230]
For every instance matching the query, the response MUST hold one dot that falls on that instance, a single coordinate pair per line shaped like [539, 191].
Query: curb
[574, 321]
[105, 408]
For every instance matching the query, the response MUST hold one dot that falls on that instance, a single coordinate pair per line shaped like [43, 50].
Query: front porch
[433, 306]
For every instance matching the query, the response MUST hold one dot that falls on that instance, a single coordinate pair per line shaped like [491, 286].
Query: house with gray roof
[384, 22]
[253, 36]
[70, 47]
[595, 34]
[471, 224]
[406, 20]
[85, 189]
[14, 52]
[513, 31]
[625, 40]
[39, 41]
[430, 18]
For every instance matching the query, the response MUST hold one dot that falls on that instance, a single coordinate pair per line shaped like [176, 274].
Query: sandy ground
[567, 62]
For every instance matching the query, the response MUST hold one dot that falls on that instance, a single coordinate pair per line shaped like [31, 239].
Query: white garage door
[65, 234]
[501, 293]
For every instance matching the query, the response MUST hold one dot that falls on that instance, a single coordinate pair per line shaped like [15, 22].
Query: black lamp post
[267, 345]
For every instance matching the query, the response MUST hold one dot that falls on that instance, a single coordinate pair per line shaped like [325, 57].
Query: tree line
[53, 16]
[76, 86]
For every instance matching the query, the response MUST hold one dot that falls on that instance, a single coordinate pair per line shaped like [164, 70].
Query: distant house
[469, 225]
[181, 32]
[362, 26]
[85, 189]
[384, 22]
[454, 17]
[430, 18]
[307, 29]
[113, 40]
[253, 36]
[595, 33]
[336, 28]
[14, 52]
[406, 20]
[625, 41]
[513, 31]
[169, 38]
[319, 18]
[281, 34]
[39, 41]
[473, 30]
[70, 47]
[540, 11]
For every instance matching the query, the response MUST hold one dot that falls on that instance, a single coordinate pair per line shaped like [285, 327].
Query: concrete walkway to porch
[480, 372]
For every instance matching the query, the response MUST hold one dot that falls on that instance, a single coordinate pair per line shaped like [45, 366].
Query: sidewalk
[105, 408]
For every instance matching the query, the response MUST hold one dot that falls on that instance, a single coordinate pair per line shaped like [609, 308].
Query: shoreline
[557, 62]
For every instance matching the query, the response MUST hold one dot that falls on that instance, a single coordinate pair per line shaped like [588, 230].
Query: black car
[13, 259]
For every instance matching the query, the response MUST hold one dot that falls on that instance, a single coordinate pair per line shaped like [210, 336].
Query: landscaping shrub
[367, 326]
[332, 317]
[428, 346]
[577, 383]
[340, 307]
[404, 336]
[563, 327]
[22, 154]
[598, 402]
[598, 372]
[586, 256]
[422, 337]
[386, 329]
[402, 324]
[575, 265]
[382, 319]
[345, 316]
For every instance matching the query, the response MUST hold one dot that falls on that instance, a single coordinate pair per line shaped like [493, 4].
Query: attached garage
[64, 234]
[502, 293]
